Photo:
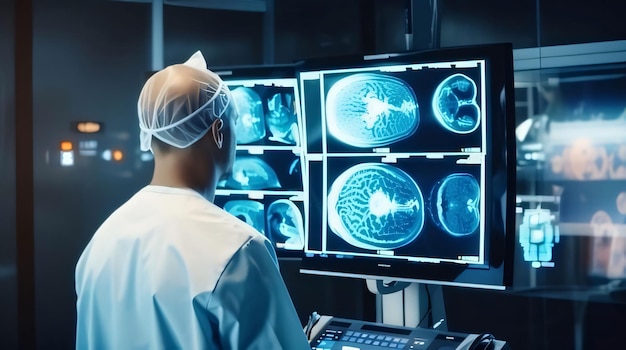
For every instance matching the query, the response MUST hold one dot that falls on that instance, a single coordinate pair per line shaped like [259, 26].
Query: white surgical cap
[178, 104]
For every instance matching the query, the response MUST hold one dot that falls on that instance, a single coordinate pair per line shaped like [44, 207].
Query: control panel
[333, 333]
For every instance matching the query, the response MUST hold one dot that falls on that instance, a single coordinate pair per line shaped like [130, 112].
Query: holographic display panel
[571, 157]
[408, 163]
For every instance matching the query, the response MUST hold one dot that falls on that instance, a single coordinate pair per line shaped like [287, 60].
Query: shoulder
[177, 208]
[175, 218]
[259, 245]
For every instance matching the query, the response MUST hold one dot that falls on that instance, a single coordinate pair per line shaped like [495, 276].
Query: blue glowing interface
[396, 161]
[266, 188]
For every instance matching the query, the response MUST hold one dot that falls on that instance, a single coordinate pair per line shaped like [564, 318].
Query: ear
[216, 131]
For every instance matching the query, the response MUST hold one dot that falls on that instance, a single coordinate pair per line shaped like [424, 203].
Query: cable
[313, 319]
[434, 25]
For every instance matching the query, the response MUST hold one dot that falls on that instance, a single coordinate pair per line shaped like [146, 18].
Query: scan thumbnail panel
[419, 110]
[413, 208]
[270, 170]
[279, 218]
[268, 112]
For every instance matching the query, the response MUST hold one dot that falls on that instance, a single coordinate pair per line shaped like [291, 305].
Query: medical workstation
[432, 174]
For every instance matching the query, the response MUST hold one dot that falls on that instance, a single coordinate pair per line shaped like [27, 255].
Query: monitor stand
[409, 304]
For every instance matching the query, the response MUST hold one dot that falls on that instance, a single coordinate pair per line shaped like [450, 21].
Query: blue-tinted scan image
[282, 120]
[371, 110]
[455, 204]
[251, 173]
[250, 212]
[285, 225]
[537, 235]
[251, 124]
[375, 206]
[455, 106]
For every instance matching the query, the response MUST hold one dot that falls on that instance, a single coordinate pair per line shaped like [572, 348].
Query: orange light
[66, 146]
[88, 127]
[117, 155]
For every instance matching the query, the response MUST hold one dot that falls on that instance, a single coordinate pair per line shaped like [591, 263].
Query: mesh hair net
[178, 104]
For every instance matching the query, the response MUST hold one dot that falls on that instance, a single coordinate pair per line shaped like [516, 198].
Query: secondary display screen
[266, 188]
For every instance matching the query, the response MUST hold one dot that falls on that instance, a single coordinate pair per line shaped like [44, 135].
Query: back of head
[178, 104]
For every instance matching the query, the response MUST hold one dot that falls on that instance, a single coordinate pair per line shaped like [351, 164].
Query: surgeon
[169, 269]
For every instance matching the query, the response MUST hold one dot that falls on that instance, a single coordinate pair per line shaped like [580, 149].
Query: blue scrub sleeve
[250, 307]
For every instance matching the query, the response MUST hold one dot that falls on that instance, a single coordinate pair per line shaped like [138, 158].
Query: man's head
[187, 120]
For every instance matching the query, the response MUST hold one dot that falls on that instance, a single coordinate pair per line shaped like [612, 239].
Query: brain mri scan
[249, 211]
[375, 206]
[455, 106]
[455, 204]
[251, 125]
[251, 173]
[281, 119]
[371, 110]
[285, 224]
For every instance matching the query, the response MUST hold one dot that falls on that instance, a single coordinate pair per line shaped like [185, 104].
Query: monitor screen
[266, 187]
[410, 162]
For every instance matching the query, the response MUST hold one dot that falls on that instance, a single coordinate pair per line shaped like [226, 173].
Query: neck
[170, 171]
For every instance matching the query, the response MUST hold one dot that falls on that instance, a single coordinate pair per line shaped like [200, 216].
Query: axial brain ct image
[281, 119]
[251, 173]
[375, 206]
[371, 110]
[454, 204]
[251, 124]
[285, 224]
[248, 211]
[454, 104]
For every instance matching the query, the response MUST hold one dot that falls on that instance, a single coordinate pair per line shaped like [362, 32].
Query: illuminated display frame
[474, 155]
[493, 270]
[278, 77]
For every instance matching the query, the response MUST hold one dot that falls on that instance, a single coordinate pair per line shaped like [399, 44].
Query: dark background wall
[8, 265]
[529, 23]
[224, 37]
[90, 59]
[306, 29]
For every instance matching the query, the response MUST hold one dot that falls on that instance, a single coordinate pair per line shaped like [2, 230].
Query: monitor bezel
[497, 273]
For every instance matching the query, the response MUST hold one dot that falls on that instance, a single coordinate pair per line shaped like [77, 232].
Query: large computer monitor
[266, 188]
[411, 166]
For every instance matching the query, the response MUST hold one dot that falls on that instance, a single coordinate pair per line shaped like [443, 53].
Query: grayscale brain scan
[375, 206]
[281, 119]
[251, 173]
[251, 124]
[371, 110]
[455, 204]
[249, 211]
[285, 225]
[455, 106]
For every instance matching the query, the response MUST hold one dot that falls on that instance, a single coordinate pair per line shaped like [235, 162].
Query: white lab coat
[170, 270]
